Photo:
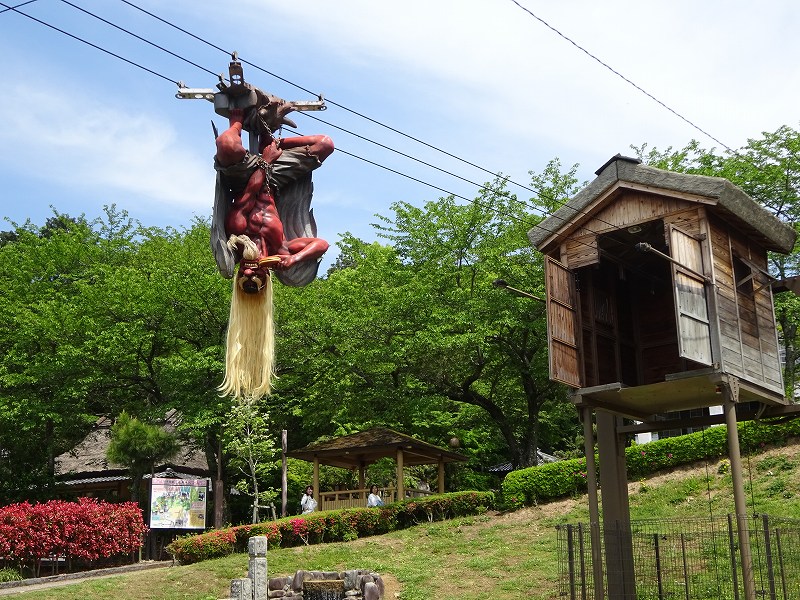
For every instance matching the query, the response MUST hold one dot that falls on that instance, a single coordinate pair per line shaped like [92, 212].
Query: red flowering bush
[87, 529]
[335, 525]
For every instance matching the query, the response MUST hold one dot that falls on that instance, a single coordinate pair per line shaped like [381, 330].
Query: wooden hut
[658, 288]
[85, 470]
[659, 299]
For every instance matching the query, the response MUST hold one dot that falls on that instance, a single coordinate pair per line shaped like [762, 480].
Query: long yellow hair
[250, 344]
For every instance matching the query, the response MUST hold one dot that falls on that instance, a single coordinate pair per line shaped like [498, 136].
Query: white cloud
[70, 139]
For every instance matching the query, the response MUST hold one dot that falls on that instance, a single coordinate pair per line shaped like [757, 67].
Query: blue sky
[482, 80]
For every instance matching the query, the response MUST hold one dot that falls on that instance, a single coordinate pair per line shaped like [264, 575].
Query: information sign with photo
[178, 503]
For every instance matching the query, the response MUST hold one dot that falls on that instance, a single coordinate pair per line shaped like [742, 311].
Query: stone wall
[357, 584]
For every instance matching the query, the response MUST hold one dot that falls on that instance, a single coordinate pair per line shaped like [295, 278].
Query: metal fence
[680, 559]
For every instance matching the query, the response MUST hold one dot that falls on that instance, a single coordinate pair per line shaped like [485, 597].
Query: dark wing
[226, 260]
[294, 209]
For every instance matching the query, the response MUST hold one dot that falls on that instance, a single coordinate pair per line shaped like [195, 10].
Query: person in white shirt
[374, 499]
[307, 502]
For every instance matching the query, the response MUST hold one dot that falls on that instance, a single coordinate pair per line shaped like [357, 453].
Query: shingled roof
[368, 446]
[727, 200]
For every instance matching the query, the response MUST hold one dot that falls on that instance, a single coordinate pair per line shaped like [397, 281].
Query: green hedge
[330, 526]
[563, 478]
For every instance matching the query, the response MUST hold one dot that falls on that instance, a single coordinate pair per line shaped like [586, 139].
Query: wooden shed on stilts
[659, 299]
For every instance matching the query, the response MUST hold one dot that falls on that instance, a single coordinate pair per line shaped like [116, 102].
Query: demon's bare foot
[236, 117]
[230, 149]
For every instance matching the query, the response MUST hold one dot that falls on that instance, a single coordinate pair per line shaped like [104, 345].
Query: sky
[490, 86]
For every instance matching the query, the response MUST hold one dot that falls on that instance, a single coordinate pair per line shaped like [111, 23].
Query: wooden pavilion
[359, 450]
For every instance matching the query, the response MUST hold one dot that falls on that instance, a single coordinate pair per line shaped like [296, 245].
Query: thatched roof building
[85, 471]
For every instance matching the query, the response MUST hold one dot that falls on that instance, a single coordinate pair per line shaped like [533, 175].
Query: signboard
[178, 503]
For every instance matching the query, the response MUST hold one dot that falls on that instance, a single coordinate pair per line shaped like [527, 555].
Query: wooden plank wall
[747, 322]
[631, 208]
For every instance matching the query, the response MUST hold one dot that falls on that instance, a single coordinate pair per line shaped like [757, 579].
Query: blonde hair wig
[250, 341]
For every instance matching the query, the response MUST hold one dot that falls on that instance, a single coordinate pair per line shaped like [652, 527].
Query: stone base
[358, 584]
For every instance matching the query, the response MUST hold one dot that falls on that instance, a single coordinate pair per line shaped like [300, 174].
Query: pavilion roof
[366, 447]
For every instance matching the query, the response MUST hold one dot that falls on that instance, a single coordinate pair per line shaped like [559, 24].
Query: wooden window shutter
[691, 304]
[562, 324]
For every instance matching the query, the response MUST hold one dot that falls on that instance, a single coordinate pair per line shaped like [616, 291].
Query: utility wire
[202, 68]
[138, 37]
[474, 200]
[329, 101]
[541, 211]
[95, 46]
[620, 75]
[479, 185]
[488, 207]
[157, 74]
[8, 8]
[768, 203]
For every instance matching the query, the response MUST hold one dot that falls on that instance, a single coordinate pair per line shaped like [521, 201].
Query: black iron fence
[680, 559]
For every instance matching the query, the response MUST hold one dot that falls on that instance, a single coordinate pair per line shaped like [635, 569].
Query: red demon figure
[262, 221]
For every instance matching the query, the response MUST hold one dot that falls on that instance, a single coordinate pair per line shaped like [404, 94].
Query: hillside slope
[505, 555]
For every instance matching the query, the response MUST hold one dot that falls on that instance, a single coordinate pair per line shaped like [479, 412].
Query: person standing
[307, 502]
[374, 499]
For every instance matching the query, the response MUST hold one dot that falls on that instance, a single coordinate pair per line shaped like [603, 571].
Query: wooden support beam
[315, 482]
[401, 490]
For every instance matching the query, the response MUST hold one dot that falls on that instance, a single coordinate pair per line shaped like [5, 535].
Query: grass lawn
[502, 556]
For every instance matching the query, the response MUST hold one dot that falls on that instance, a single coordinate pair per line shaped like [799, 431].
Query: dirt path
[43, 583]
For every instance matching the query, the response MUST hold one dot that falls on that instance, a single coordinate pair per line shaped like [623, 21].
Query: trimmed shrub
[566, 477]
[213, 544]
[330, 526]
[87, 529]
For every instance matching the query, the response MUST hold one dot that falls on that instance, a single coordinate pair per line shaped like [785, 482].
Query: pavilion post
[441, 475]
[362, 478]
[401, 491]
[315, 482]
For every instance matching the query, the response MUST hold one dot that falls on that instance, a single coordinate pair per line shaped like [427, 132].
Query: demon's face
[253, 276]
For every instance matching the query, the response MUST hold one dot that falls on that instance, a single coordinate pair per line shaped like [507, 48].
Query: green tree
[251, 449]
[42, 272]
[415, 336]
[98, 317]
[139, 446]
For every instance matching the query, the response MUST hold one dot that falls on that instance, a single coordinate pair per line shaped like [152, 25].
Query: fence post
[780, 560]
[768, 556]
[571, 562]
[732, 548]
[660, 583]
[583, 561]
[685, 566]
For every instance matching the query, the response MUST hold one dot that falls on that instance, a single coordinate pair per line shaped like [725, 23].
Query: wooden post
[616, 508]
[730, 392]
[594, 505]
[219, 489]
[284, 478]
[362, 479]
[441, 475]
[315, 483]
[401, 490]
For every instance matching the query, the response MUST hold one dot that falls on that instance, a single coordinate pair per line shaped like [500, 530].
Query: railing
[356, 498]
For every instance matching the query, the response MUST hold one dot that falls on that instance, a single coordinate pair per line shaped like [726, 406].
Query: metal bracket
[241, 94]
